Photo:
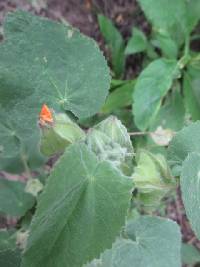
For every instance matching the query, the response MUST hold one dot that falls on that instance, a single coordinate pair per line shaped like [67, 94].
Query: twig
[192, 240]
[138, 133]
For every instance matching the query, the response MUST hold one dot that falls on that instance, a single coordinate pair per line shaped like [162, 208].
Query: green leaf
[161, 13]
[165, 117]
[7, 241]
[152, 85]
[190, 255]
[115, 42]
[192, 14]
[190, 181]
[14, 200]
[137, 43]
[116, 82]
[110, 141]
[157, 240]
[45, 62]
[18, 148]
[10, 258]
[9, 254]
[184, 142]
[119, 98]
[166, 44]
[192, 91]
[150, 242]
[84, 201]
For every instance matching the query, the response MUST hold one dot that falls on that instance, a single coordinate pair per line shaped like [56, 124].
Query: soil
[83, 15]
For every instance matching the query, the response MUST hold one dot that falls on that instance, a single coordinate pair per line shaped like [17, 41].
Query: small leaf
[190, 254]
[14, 200]
[151, 86]
[190, 188]
[84, 201]
[137, 43]
[166, 44]
[192, 91]
[115, 42]
[120, 97]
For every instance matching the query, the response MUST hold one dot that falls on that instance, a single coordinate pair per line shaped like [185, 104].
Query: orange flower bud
[45, 115]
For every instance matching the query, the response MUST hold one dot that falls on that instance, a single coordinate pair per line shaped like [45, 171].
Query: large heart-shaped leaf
[80, 212]
[149, 242]
[45, 62]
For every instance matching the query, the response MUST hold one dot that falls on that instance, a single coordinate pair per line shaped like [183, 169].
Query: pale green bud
[110, 141]
[56, 137]
[152, 177]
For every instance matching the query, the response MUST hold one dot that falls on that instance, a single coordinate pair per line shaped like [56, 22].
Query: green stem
[138, 133]
[185, 59]
[26, 167]
[187, 46]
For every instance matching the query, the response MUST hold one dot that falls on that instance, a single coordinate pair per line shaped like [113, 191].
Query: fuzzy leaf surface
[190, 187]
[150, 242]
[84, 201]
[14, 200]
[44, 62]
[185, 142]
